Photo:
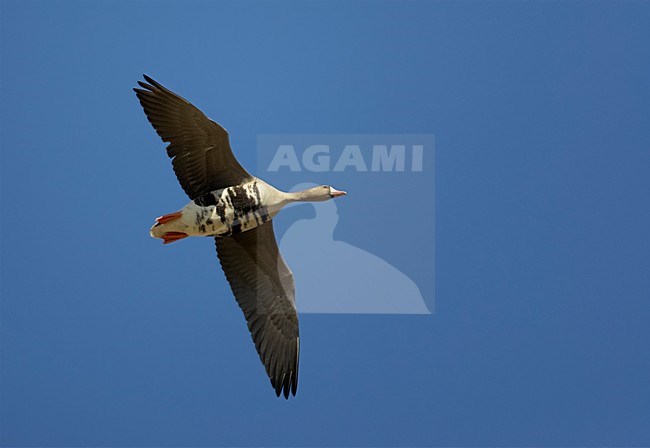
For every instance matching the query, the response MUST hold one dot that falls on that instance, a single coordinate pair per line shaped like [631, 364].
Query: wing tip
[150, 85]
[150, 80]
[286, 386]
[294, 385]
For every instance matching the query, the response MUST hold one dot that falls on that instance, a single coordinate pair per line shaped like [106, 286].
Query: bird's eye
[324, 186]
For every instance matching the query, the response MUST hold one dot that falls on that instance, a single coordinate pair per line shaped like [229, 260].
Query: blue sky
[540, 112]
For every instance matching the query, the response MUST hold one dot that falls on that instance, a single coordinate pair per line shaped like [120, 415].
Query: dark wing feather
[263, 286]
[200, 149]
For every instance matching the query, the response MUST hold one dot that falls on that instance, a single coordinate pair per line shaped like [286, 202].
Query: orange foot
[170, 237]
[164, 219]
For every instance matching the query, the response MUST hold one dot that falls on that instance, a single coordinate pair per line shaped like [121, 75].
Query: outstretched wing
[200, 149]
[264, 288]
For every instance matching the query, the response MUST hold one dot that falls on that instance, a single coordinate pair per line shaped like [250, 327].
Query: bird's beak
[336, 193]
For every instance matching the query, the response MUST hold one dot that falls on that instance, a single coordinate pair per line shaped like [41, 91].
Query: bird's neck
[277, 199]
[298, 196]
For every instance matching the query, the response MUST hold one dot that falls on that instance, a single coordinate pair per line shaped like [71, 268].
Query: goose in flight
[236, 209]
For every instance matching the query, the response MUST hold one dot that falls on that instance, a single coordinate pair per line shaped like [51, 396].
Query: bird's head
[318, 194]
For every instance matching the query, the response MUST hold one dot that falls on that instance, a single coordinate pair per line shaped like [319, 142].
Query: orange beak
[336, 193]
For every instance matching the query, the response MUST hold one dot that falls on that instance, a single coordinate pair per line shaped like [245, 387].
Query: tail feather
[166, 228]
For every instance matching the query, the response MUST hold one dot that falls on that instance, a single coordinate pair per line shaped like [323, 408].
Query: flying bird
[237, 210]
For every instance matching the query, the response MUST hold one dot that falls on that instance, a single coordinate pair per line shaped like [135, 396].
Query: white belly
[235, 211]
